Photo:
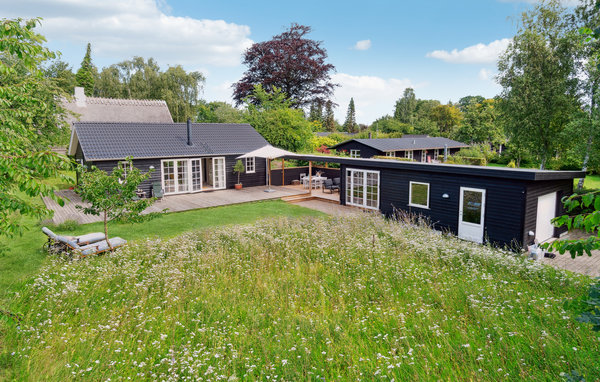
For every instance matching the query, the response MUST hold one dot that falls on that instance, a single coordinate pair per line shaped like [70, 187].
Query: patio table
[317, 181]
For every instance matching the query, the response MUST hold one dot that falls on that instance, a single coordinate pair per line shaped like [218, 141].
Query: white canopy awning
[268, 151]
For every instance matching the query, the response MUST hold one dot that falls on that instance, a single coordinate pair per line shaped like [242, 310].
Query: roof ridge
[126, 101]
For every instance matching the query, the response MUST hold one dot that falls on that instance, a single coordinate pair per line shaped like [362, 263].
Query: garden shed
[502, 206]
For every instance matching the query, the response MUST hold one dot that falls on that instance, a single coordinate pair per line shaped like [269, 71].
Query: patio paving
[586, 265]
[173, 203]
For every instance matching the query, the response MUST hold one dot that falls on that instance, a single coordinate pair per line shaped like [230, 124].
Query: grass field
[299, 299]
[24, 254]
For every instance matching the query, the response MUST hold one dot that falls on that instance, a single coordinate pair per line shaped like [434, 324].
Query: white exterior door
[362, 188]
[218, 172]
[471, 214]
[546, 211]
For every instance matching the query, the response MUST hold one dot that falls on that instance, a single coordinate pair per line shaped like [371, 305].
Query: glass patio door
[471, 214]
[362, 188]
[196, 174]
[218, 173]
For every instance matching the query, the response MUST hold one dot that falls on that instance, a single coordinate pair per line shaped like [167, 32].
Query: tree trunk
[588, 147]
[106, 231]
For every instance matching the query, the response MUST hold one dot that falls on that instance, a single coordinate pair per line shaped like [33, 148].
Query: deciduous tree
[113, 195]
[271, 115]
[290, 62]
[29, 110]
[538, 79]
[406, 106]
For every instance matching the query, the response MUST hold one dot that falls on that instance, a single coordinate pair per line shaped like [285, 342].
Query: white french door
[362, 188]
[471, 214]
[185, 175]
[218, 169]
[196, 174]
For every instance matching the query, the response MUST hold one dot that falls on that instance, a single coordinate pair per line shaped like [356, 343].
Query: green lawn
[361, 298]
[24, 255]
[591, 182]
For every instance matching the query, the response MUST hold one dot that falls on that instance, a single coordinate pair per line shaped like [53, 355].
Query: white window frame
[390, 154]
[190, 174]
[408, 154]
[354, 153]
[410, 203]
[423, 156]
[250, 163]
[436, 154]
[349, 186]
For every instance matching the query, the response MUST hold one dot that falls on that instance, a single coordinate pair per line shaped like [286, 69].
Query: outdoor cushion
[101, 246]
[90, 238]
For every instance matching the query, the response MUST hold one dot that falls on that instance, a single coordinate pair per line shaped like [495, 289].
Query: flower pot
[238, 186]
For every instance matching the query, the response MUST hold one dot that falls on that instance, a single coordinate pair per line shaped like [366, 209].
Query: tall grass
[324, 299]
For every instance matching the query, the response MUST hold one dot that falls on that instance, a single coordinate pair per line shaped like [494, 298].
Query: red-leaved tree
[290, 62]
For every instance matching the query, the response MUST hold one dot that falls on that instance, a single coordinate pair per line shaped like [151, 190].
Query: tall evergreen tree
[406, 106]
[329, 118]
[86, 75]
[316, 112]
[350, 123]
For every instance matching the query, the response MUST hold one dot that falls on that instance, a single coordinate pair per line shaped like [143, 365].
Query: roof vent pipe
[414, 141]
[189, 132]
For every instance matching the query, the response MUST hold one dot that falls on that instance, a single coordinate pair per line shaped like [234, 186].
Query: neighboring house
[503, 206]
[419, 148]
[94, 109]
[186, 158]
[328, 133]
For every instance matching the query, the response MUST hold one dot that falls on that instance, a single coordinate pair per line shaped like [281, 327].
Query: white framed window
[354, 153]
[362, 188]
[423, 156]
[408, 154]
[418, 194]
[250, 165]
[436, 154]
[390, 154]
[126, 167]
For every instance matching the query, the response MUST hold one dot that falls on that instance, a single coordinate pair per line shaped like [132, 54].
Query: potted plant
[239, 168]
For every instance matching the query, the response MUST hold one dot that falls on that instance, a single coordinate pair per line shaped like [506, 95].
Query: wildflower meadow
[357, 298]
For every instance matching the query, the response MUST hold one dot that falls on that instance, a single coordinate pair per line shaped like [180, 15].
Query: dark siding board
[503, 219]
[142, 164]
[248, 180]
[365, 151]
[258, 178]
[537, 189]
[293, 173]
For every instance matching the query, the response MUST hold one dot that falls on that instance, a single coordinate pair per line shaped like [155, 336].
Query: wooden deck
[172, 203]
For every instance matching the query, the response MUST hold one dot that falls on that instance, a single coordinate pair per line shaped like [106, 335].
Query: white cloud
[136, 27]
[485, 74]
[373, 96]
[474, 54]
[362, 45]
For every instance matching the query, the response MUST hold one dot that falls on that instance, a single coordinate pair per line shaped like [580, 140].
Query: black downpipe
[189, 132]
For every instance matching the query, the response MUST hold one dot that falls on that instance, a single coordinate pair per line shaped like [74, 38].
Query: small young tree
[113, 196]
[239, 169]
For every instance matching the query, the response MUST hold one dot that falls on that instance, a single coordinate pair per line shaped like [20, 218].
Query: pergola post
[282, 172]
[310, 177]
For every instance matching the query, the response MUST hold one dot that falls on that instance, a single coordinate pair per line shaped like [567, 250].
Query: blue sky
[443, 49]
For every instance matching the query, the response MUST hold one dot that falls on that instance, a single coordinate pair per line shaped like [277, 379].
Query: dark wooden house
[419, 148]
[503, 206]
[186, 158]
